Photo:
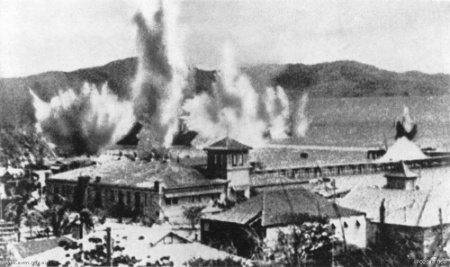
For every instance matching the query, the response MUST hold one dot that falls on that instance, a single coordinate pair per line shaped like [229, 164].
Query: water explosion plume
[405, 126]
[160, 84]
[83, 123]
[236, 109]
[233, 107]
[300, 120]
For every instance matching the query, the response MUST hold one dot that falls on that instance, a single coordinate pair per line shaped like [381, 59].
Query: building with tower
[228, 159]
[402, 215]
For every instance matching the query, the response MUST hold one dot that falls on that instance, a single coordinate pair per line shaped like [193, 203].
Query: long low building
[150, 187]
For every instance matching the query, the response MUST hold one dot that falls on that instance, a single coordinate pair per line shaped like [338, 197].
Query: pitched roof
[282, 207]
[141, 174]
[409, 208]
[228, 144]
[33, 247]
[402, 171]
[402, 149]
[242, 213]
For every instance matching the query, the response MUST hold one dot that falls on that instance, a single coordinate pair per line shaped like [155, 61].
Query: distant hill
[335, 79]
[354, 79]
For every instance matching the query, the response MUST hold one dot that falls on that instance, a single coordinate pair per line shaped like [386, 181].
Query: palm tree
[82, 220]
[63, 220]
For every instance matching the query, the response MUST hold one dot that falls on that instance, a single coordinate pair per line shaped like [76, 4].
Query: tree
[16, 208]
[305, 244]
[63, 219]
[86, 221]
[58, 213]
[31, 219]
[193, 214]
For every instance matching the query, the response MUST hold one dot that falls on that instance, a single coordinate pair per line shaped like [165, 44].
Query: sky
[55, 35]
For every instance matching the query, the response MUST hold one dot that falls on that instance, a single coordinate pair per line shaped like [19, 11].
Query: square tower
[401, 178]
[228, 159]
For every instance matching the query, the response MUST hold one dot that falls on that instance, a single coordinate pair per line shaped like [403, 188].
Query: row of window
[92, 194]
[358, 224]
[193, 199]
[236, 159]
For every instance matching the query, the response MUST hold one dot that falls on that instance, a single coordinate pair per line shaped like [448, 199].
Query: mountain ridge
[343, 78]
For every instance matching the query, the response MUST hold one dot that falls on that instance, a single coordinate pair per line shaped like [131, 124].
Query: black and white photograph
[208, 133]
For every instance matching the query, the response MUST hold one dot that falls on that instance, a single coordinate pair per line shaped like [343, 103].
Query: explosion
[301, 122]
[236, 109]
[160, 84]
[405, 126]
[84, 123]
[232, 107]
[161, 95]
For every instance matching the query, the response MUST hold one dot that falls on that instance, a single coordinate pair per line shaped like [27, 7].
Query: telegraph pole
[108, 246]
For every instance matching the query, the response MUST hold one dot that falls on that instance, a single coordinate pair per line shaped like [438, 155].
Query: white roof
[139, 247]
[182, 253]
[402, 207]
[57, 254]
[11, 170]
[402, 149]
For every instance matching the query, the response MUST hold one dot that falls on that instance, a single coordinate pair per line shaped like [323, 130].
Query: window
[241, 160]
[128, 197]
[234, 159]
[171, 201]
[168, 240]
[206, 227]
[358, 224]
[345, 225]
[333, 226]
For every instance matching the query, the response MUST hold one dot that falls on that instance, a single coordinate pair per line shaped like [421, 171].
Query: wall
[354, 235]
[239, 176]
[106, 196]
[407, 241]
[355, 230]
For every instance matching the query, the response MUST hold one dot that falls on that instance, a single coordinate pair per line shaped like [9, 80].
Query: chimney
[156, 187]
[382, 212]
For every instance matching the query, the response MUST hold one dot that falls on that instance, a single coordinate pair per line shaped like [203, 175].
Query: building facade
[146, 188]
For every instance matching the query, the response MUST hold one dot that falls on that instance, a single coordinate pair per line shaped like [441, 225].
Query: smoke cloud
[236, 109]
[405, 126]
[300, 120]
[160, 86]
[83, 123]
